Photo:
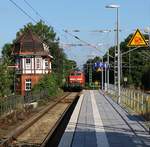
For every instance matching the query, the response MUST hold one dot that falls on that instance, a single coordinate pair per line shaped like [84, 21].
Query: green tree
[49, 83]
[7, 74]
[5, 80]
[134, 63]
[7, 53]
[146, 78]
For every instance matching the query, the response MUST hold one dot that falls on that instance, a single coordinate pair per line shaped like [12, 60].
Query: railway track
[39, 130]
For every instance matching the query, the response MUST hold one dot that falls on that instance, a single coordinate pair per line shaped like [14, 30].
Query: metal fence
[134, 99]
[15, 102]
[35, 96]
[7, 105]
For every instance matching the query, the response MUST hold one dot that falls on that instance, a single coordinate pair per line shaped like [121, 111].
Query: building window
[46, 64]
[38, 63]
[28, 85]
[28, 61]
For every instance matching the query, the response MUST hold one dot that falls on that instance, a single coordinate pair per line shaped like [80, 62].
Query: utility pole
[90, 74]
[105, 76]
[121, 73]
[129, 63]
[102, 75]
[115, 70]
[108, 70]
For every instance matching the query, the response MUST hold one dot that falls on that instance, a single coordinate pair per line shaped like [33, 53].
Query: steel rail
[44, 143]
[29, 123]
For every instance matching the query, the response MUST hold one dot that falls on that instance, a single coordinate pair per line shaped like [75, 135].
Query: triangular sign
[137, 40]
[98, 70]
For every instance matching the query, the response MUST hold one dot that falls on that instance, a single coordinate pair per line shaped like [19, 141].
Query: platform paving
[97, 121]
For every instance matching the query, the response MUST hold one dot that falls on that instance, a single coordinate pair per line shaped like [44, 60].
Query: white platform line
[67, 137]
[99, 129]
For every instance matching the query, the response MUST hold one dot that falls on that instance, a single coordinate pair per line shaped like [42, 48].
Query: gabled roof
[30, 43]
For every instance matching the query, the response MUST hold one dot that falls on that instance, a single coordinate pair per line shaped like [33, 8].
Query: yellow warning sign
[137, 40]
[98, 70]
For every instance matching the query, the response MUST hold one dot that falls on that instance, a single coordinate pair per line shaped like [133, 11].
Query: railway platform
[97, 121]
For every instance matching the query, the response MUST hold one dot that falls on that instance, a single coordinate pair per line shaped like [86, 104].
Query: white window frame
[28, 59]
[28, 85]
[28, 64]
[46, 64]
[38, 63]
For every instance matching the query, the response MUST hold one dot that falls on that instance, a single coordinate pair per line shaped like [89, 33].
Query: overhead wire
[34, 10]
[37, 13]
[23, 11]
[76, 37]
[42, 18]
[83, 41]
[29, 16]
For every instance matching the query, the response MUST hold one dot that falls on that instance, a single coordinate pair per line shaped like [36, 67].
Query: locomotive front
[76, 80]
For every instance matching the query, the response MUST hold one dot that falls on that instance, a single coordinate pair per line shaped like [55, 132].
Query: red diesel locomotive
[76, 80]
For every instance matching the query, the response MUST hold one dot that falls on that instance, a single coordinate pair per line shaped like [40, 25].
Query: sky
[84, 15]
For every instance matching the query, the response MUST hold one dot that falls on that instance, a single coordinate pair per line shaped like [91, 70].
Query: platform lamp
[118, 46]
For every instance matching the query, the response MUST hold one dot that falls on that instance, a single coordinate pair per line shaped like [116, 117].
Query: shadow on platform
[85, 136]
[115, 139]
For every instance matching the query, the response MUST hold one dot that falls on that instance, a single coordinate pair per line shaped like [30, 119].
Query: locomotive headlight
[79, 79]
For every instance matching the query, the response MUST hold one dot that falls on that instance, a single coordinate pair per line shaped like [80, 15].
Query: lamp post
[108, 70]
[102, 75]
[118, 46]
[105, 70]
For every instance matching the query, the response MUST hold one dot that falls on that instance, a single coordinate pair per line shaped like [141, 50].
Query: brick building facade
[32, 60]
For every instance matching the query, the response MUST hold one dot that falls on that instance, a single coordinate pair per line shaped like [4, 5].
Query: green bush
[146, 78]
[48, 83]
[5, 80]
